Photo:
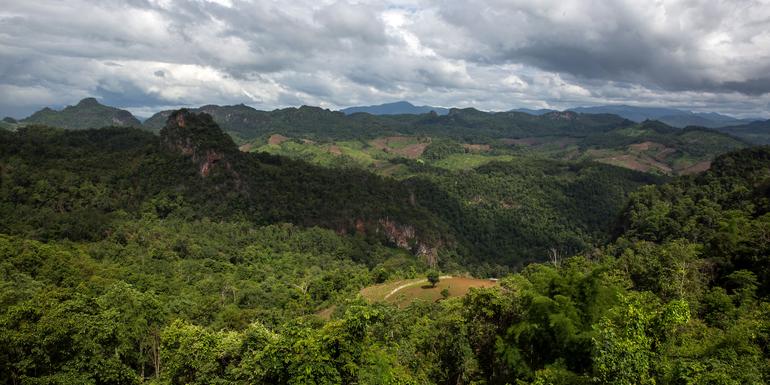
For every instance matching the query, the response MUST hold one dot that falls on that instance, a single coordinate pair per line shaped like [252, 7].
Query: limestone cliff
[275, 189]
[198, 137]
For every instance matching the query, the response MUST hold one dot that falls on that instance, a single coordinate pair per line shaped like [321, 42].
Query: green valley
[629, 254]
[397, 192]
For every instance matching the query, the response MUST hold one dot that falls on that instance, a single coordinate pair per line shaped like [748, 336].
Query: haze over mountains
[395, 108]
[245, 122]
[671, 116]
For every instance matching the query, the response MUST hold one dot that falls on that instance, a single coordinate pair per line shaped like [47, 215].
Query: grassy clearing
[378, 292]
[404, 292]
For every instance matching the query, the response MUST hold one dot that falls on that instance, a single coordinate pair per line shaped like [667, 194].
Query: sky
[149, 55]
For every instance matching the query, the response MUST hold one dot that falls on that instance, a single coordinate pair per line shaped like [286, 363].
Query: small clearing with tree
[404, 292]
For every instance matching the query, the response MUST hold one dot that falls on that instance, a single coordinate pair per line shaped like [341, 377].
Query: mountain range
[671, 116]
[396, 108]
[757, 132]
[540, 111]
[245, 123]
[132, 257]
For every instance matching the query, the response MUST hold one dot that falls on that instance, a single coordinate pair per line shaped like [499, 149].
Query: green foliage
[433, 277]
[467, 124]
[60, 334]
[755, 132]
[671, 270]
[66, 184]
[88, 113]
[440, 149]
[692, 141]
[514, 212]
[724, 210]
[623, 347]
[8, 124]
[148, 271]
[194, 355]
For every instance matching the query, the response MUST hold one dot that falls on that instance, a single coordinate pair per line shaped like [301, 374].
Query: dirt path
[412, 283]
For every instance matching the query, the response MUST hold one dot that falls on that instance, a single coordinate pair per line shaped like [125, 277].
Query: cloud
[673, 45]
[491, 54]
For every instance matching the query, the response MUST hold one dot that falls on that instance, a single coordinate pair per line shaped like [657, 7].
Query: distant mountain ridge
[396, 108]
[246, 123]
[540, 111]
[671, 116]
[88, 113]
[756, 132]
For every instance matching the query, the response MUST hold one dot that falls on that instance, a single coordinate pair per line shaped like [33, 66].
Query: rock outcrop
[197, 136]
[217, 158]
[405, 237]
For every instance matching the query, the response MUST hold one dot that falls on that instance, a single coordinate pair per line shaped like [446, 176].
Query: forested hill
[72, 184]
[671, 116]
[327, 137]
[244, 122]
[316, 123]
[395, 108]
[88, 113]
[67, 184]
[269, 189]
[757, 132]
[679, 297]
[725, 211]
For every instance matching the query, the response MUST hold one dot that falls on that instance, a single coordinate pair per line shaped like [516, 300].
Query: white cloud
[489, 54]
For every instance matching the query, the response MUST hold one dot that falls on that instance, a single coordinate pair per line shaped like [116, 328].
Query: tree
[433, 277]
[623, 347]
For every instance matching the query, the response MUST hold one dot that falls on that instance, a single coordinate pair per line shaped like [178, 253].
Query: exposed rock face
[402, 236]
[430, 253]
[210, 160]
[360, 226]
[405, 237]
[197, 136]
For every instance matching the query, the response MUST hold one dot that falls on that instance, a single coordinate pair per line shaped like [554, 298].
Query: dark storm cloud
[490, 54]
[751, 86]
[674, 45]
